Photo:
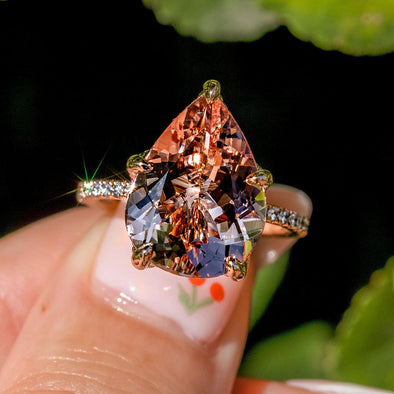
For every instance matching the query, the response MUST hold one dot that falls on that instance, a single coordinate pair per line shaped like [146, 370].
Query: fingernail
[269, 249]
[330, 387]
[200, 307]
[258, 386]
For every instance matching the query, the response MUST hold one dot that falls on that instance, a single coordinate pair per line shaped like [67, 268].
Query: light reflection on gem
[193, 205]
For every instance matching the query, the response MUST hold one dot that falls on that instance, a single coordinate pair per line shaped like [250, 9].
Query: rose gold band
[279, 221]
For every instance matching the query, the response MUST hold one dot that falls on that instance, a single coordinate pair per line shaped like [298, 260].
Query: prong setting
[141, 256]
[211, 89]
[182, 214]
[261, 179]
[137, 163]
[236, 270]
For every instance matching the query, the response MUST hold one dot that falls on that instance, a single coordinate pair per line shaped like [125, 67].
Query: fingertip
[73, 340]
[290, 198]
[270, 248]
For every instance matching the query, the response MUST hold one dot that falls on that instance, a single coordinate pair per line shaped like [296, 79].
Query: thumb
[102, 326]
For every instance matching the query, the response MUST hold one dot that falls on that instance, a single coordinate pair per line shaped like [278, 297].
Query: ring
[196, 202]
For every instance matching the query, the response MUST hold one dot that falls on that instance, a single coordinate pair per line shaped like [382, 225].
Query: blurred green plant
[360, 350]
[356, 27]
[215, 20]
[294, 354]
[266, 282]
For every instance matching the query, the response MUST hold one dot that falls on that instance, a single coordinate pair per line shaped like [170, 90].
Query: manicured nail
[258, 386]
[330, 387]
[200, 307]
[269, 249]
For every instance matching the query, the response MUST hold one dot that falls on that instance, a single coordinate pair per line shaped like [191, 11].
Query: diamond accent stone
[192, 205]
[287, 219]
[102, 188]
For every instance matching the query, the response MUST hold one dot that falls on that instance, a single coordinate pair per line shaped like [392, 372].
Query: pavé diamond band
[196, 202]
[290, 222]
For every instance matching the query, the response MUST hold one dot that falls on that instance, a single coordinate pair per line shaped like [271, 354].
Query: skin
[49, 321]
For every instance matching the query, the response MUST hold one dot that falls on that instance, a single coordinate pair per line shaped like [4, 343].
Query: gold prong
[141, 256]
[136, 163]
[211, 90]
[262, 179]
[135, 160]
[236, 270]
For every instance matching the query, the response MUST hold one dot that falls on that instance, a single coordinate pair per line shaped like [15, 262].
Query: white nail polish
[201, 308]
[329, 387]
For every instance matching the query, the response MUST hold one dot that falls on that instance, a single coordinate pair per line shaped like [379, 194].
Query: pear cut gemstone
[192, 208]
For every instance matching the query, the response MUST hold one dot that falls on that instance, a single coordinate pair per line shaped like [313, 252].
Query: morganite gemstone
[193, 206]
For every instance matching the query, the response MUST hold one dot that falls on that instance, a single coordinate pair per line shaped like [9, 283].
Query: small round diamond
[282, 216]
[272, 214]
[293, 220]
[118, 189]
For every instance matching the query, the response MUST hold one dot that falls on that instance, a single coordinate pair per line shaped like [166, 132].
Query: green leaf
[215, 20]
[267, 281]
[357, 27]
[363, 349]
[298, 353]
[190, 303]
[184, 299]
[204, 302]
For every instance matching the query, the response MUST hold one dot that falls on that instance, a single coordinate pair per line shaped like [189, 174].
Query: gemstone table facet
[191, 209]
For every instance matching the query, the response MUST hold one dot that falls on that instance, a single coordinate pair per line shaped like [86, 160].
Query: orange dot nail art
[217, 291]
[197, 281]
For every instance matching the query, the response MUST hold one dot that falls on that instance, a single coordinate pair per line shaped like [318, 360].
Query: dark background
[80, 84]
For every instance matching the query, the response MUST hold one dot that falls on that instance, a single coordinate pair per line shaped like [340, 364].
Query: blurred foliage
[267, 281]
[357, 27]
[294, 354]
[215, 20]
[363, 347]
[361, 350]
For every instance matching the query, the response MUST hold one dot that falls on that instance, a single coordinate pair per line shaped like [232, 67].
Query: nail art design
[192, 303]
[200, 307]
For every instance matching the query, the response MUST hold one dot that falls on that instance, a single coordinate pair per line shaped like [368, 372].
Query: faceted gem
[191, 207]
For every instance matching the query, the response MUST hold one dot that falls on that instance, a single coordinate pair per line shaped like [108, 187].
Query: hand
[76, 316]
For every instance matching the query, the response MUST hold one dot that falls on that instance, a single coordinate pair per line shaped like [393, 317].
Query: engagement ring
[196, 202]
